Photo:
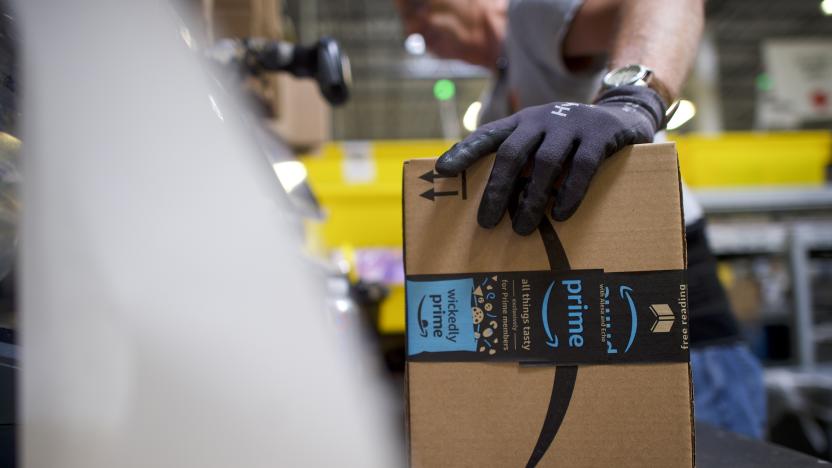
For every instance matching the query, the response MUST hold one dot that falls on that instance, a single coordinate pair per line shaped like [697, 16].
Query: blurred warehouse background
[391, 84]
[753, 132]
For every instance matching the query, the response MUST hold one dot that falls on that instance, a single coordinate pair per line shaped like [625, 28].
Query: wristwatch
[639, 75]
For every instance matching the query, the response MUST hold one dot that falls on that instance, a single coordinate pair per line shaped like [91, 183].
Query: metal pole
[804, 322]
[449, 117]
[704, 87]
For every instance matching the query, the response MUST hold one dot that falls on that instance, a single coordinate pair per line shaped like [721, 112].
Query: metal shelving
[797, 222]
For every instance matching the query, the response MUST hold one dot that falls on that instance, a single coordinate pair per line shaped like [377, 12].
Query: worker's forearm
[660, 34]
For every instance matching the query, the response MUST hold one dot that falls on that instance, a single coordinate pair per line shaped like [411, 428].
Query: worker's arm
[566, 142]
[660, 34]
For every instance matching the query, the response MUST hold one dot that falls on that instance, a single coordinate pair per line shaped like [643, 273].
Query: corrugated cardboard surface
[486, 414]
[303, 117]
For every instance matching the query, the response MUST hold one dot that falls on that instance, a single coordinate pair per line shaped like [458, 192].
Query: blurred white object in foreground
[169, 319]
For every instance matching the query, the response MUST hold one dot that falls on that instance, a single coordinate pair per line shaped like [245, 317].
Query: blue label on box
[570, 317]
[439, 316]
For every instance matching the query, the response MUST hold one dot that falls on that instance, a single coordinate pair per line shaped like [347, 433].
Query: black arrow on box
[431, 194]
[429, 176]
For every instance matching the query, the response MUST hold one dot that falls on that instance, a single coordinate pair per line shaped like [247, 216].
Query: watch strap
[654, 83]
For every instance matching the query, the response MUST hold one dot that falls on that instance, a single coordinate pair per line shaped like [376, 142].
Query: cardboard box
[303, 117]
[474, 407]
[242, 18]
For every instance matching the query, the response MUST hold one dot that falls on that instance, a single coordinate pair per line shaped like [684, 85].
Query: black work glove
[557, 138]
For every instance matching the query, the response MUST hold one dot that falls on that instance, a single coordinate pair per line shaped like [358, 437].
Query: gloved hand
[555, 139]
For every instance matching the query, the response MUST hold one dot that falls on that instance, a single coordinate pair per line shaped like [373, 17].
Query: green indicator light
[764, 82]
[444, 90]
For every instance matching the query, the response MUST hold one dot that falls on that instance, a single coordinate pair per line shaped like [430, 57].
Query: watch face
[625, 75]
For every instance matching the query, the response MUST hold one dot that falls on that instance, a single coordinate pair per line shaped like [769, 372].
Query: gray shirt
[533, 72]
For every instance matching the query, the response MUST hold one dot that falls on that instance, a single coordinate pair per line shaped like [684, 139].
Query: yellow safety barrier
[359, 183]
[747, 158]
[360, 187]
[391, 315]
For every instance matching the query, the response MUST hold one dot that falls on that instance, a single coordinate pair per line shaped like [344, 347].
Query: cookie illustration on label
[478, 315]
